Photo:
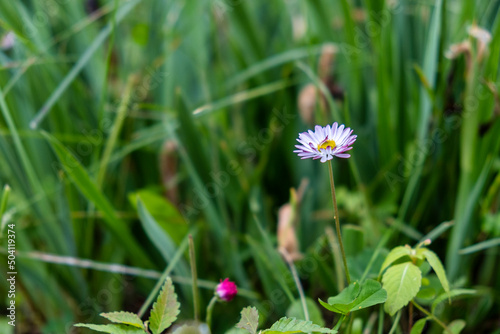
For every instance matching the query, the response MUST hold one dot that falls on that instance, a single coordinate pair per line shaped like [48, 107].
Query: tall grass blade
[84, 59]
[88, 188]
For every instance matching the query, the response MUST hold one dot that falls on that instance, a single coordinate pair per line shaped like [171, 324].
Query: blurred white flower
[483, 38]
[8, 40]
[482, 35]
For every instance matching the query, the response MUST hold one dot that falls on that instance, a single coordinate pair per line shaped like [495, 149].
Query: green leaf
[249, 319]
[296, 310]
[113, 329]
[402, 283]
[127, 318]
[292, 325]
[331, 307]
[163, 212]
[437, 266]
[158, 236]
[394, 255]
[371, 294]
[451, 294]
[455, 326]
[418, 327]
[165, 309]
[341, 303]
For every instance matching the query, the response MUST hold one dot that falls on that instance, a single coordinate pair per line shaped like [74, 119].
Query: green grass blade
[164, 244]
[429, 70]
[240, 97]
[437, 231]
[115, 130]
[462, 225]
[322, 87]
[88, 188]
[178, 255]
[23, 155]
[276, 60]
[3, 207]
[480, 246]
[84, 59]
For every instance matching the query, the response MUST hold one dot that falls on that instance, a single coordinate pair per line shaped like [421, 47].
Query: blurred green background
[126, 125]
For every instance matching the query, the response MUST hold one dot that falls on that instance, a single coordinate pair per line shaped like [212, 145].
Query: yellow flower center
[324, 144]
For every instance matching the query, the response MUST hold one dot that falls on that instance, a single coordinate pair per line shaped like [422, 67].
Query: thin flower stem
[349, 325]
[341, 320]
[380, 320]
[395, 323]
[432, 316]
[334, 245]
[410, 316]
[210, 309]
[296, 278]
[337, 223]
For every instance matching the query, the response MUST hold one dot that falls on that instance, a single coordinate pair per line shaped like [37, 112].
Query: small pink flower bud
[226, 290]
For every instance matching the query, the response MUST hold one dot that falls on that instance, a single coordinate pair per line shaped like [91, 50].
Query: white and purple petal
[311, 142]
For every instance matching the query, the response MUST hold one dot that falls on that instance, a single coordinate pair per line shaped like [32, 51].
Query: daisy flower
[325, 142]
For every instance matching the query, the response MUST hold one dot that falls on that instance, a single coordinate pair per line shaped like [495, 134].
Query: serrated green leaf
[402, 283]
[127, 318]
[418, 327]
[394, 255]
[249, 319]
[455, 326]
[452, 294]
[437, 266]
[292, 325]
[371, 293]
[113, 328]
[165, 309]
